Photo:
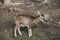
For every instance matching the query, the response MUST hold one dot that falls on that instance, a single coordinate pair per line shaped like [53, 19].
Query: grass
[37, 35]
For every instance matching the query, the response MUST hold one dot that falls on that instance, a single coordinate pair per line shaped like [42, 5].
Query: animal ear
[38, 12]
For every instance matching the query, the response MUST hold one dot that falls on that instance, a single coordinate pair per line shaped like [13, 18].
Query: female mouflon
[23, 20]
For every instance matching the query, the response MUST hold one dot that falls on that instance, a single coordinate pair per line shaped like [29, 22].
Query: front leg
[29, 31]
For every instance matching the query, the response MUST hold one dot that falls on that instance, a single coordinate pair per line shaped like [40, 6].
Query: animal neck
[36, 19]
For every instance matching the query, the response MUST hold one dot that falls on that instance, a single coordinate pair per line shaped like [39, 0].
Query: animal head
[40, 16]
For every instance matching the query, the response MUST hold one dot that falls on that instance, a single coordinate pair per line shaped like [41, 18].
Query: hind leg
[19, 31]
[15, 29]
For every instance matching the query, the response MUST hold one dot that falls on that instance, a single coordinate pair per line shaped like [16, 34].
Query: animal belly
[22, 25]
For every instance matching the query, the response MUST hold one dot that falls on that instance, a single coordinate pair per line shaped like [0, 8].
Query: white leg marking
[30, 32]
[19, 32]
[15, 33]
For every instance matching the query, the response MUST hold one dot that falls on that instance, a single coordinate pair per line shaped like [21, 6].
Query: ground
[43, 32]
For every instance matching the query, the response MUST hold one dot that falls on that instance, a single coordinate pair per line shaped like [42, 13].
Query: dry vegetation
[44, 32]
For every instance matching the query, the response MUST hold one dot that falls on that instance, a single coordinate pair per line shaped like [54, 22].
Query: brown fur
[26, 20]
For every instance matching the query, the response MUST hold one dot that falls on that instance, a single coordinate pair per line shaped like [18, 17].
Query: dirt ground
[44, 32]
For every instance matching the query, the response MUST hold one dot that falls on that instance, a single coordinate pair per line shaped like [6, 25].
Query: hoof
[30, 35]
[15, 36]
